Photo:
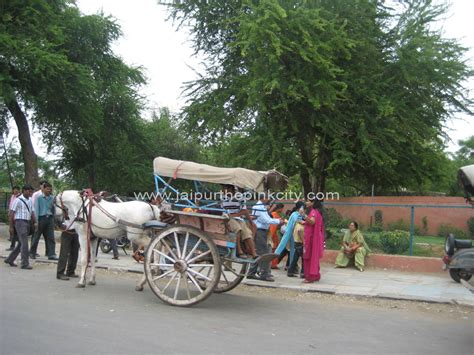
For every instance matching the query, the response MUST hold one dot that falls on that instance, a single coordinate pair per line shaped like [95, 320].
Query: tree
[465, 154]
[57, 68]
[355, 89]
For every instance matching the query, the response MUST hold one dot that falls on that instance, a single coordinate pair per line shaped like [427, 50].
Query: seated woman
[353, 247]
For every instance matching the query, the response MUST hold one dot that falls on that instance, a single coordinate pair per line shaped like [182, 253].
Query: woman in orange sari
[273, 231]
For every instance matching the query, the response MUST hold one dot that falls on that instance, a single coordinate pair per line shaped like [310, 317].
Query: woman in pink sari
[313, 241]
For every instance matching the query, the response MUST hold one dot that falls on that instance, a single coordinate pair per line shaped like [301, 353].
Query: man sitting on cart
[237, 211]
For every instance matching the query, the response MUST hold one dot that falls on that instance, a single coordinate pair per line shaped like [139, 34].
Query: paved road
[41, 315]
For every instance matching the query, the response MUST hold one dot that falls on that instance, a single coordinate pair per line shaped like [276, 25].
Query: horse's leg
[94, 242]
[139, 241]
[140, 283]
[83, 245]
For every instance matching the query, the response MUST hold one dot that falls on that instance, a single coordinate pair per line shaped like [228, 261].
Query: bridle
[61, 206]
[65, 211]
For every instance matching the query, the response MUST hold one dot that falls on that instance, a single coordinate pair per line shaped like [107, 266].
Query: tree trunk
[29, 156]
[91, 179]
[305, 148]
[320, 168]
[91, 170]
[305, 180]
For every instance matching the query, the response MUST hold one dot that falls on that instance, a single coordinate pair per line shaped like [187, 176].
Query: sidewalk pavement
[437, 288]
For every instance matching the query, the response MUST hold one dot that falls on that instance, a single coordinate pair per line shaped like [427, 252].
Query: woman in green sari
[353, 247]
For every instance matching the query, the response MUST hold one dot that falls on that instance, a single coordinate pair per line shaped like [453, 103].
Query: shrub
[345, 223]
[470, 226]
[375, 228]
[4, 216]
[395, 242]
[424, 228]
[378, 222]
[332, 218]
[372, 240]
[378, 216]
[333, 243]
[401, 225]
[328, 234]
[445, 229]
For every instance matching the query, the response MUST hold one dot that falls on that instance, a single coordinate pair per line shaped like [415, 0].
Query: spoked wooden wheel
[178, 262]
[232, 275]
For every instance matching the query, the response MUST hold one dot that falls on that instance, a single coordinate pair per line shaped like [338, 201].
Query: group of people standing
[32, 214]
[261, 230]
[257, 234]
[303, 238]
[299, 235]
[38, 208]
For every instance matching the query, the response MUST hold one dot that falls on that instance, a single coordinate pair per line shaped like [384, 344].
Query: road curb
[358, 294]
[304, 289]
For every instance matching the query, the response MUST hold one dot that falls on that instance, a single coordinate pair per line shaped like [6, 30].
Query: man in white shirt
[22, 215]
[263, 221]
[13, 237]
[38, 192]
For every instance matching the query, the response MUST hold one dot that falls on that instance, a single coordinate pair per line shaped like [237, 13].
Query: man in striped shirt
[13, 237]
[22, 215]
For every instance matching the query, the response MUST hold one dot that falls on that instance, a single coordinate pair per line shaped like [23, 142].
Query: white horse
[108, 220]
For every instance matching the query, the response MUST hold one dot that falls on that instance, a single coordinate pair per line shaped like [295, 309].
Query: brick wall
[435, 216]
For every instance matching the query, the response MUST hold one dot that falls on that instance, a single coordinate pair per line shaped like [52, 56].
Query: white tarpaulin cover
[244, 178]
[466, 175]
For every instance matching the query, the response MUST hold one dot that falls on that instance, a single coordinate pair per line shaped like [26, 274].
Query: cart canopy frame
[246, 179]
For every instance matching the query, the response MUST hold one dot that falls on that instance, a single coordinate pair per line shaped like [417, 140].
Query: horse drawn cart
[189, 260]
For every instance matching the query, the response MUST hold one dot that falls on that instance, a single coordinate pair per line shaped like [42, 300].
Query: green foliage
[400, 224]
[423, 245]
[48, 170]
[445, 229]
[378, 222]
[333, 243]
[395, 242]
[58, 65]
[16, 168]
[424, 228]
[373, 240]
[353, 90]
[378, 216]
[470, 226]
[3, 216]
[375, 228]
[332, 218]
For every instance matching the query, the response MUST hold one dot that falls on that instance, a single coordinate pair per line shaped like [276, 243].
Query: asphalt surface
[42, 315]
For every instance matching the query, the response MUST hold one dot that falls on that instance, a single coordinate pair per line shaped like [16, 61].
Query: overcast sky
[166, 55]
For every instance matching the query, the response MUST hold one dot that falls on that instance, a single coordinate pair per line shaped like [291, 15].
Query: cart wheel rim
[232, 275]
[182, 265]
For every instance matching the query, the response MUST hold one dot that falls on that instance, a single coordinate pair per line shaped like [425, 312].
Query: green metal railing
[4, 200]
[412, 211]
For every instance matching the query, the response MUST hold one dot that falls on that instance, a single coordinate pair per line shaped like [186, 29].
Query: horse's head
[68, 204]
[61, 212]
[156, 212]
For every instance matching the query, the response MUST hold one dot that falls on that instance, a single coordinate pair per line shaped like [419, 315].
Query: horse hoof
[138, 288]
[92, 283]
[80, 285]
